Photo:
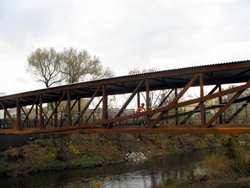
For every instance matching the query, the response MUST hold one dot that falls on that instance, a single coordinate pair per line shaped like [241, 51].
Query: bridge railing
[235, 114]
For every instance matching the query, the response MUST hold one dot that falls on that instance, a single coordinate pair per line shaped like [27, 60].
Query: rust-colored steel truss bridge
[196, 100]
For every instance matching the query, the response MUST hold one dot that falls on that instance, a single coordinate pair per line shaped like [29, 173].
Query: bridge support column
[220, 102]
[18, 113]
[202, 109]
[104, 104]
[69, 108]
[5, 120]
[79, 110]
[176, 109]
[138, 99]
[147, 101]
[56, 115]
[36, 117]
[41, 111]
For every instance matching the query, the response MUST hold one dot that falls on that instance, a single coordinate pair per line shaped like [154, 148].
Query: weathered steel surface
[74, 116]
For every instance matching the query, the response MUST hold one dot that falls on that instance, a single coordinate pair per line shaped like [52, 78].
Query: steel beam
[173, 79]
[128, 101]
[27, 115]
[234, 129]
[224, 108]
[68, 108]
[175, 99]
[104, 104]
[243, 106]
[202, 109]
[55, 109]
[8, 115]
[87, 105]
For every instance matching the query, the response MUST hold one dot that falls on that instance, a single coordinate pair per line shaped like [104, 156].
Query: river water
[121, 175]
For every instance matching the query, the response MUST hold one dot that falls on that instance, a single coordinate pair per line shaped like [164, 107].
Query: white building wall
[1, 111]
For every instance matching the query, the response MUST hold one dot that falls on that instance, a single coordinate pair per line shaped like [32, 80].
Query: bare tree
[50, 67]
[155, 96]
[70, 66]
[78, 65]
[45, 65]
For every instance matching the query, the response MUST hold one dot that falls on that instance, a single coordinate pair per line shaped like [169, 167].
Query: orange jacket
[140, 109]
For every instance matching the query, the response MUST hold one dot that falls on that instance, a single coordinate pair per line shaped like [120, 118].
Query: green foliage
[231, 146]
[113, 156]
[170, 181]
[98, 182]
[240, 167]
[87, 162]
[3, 169]
[215, 165]
[191, 176]
[56, 165]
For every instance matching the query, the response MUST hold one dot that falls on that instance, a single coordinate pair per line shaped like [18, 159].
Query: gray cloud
[127, 34]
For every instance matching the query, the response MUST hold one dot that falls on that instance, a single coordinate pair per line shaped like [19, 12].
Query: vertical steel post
[147, 101]
[138, 99]
[176, 109]
[69, 108]
[220, 102]
[5, 120]
[36, 118]
[104, 104]
[79, 110]
[246, 115]
[18, 113]
[40, 112]
[202, 109]
[56, 115]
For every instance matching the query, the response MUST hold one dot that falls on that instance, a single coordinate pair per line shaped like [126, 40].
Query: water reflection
[122, 175]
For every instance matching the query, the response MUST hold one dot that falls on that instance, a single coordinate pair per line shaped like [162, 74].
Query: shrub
[215, 165]
[232, 149]
[87, 162]
[170, 181]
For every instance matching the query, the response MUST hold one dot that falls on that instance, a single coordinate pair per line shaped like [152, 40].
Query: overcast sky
[124, 34]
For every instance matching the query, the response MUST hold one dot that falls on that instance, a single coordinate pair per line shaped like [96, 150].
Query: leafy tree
[44, 65]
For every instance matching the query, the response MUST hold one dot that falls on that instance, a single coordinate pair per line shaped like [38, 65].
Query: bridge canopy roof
[223, 73]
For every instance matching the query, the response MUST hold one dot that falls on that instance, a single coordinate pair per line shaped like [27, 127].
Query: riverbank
[148, 173]
[89, 151]
[228, 170]
[211, 183]
[85, 151]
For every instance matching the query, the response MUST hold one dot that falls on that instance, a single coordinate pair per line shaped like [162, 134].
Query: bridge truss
[84, 107]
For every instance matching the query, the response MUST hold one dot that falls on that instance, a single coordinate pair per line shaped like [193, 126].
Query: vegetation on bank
[229, 170]
[84, 151]
[40, 155]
